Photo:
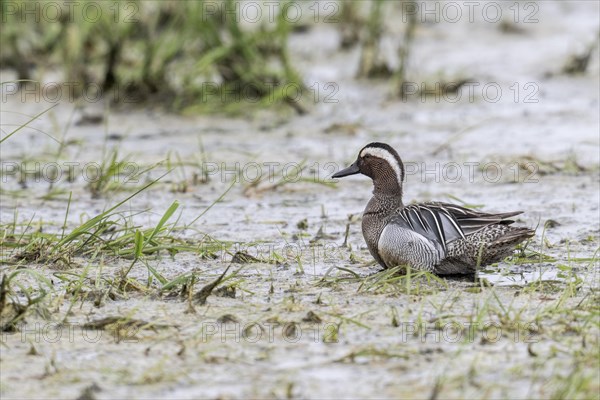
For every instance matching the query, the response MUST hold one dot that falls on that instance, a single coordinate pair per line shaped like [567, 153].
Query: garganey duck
[443, 238]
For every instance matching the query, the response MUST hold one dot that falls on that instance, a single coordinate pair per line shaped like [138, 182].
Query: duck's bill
[351, 170]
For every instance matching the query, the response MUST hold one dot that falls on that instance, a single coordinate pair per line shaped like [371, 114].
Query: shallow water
[371, 357]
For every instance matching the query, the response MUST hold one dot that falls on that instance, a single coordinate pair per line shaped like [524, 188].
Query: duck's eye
[367, 156]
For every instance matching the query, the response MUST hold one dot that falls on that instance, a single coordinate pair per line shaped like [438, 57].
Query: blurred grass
[190, 55]
[200, 56]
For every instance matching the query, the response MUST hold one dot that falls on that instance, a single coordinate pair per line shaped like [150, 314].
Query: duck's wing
[443, 223]
[469, 220]
[434, 223]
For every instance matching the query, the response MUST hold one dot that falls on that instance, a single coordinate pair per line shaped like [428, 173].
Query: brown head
[382, 164]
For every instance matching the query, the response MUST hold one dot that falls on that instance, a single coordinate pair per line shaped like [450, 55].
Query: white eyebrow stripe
[387, 156]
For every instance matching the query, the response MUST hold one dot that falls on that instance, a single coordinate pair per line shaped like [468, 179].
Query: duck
[438, 237]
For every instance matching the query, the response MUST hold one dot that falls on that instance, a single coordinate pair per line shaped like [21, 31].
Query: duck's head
[381, 163]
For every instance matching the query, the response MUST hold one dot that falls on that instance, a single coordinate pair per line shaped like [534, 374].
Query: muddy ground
[292, 323]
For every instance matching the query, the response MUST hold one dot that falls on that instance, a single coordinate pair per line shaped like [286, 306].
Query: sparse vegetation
[192, 55]
[164, 269]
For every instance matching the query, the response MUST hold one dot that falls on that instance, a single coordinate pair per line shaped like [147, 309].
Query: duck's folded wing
[471, 221]
[434, 223]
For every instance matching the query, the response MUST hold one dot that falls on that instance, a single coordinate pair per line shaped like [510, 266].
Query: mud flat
[126, 309]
